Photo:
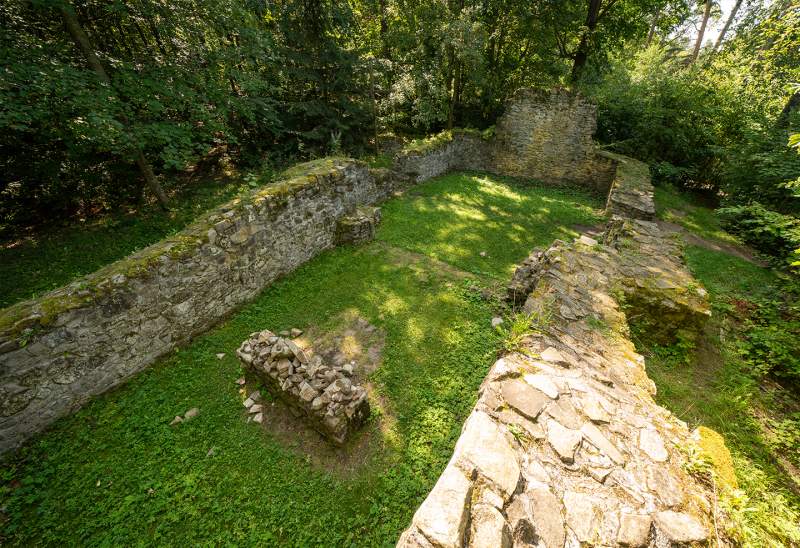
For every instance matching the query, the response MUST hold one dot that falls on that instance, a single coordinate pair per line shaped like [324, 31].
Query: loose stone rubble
[323, 395]
[359, 227]
[565, 446]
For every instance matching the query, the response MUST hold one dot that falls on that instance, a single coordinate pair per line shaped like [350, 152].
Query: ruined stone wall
[566, 446]
[78, 341]
[59, 350]
[547, 135]
[447, 151]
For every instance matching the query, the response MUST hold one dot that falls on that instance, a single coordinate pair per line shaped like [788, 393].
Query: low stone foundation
[321, 394]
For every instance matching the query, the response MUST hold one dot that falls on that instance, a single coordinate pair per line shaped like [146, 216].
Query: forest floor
[116, 473]
[709, 382]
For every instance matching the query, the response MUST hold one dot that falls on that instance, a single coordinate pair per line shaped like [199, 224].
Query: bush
[768, 231]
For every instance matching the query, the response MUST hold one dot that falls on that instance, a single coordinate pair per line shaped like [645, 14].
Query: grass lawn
[116, 473]
[712, 384]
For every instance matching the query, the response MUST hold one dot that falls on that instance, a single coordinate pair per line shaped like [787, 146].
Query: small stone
[307, 393]
[550, 354]
[220, 355]
[523, 398]
[634, 530]
[191, 413]
[564, 440]
[259, 418]
[284, 333]
[255, 395]
[248, 403]
[586, 240]
[680, 527]
[442, 517]
[256, 408]
[294, 332]
[347, 369]
[580, 515]
[596, 438]
[482, 254]
[651, 443]
[488, 528]
[211, 452]
[176, 420]
[484, 445]
[497, 321]
[543, 383]
[241, 381]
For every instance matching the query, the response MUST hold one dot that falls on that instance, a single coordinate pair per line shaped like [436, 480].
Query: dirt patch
[740, 251]
[354, 341]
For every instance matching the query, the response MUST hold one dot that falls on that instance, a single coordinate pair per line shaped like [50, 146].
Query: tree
[724, 31]
[86, 47]
[701, 33]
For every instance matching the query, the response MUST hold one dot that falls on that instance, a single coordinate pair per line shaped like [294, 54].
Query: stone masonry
[565, 446]
[61, 349]
[322, 394]
[359, 227]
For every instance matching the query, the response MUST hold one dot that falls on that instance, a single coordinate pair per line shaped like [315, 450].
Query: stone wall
[447, 151]
[59, 350]
[547, 135]
[565, 446]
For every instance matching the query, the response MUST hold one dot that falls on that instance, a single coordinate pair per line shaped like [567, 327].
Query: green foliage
[116, 473]
[768, 231]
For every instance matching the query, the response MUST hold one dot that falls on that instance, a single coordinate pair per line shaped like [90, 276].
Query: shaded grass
[44, 261]
[678, 208]
[116, 474]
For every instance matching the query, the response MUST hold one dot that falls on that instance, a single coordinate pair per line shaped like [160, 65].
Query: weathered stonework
[447, 151]
[323, 395]
[59, 350]
[547, 135]
[359, 227]
[565, 446]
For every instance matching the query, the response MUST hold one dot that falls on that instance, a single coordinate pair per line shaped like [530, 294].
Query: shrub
[770, 232]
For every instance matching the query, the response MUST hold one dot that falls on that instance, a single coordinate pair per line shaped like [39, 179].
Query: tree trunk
[724, 30]
[699, 42]
[582, 53]
[82, 41]
[653, 26]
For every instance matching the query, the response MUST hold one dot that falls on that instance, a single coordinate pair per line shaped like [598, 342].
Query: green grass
[116, 474]
[679, 208]
[49, 259]
[456, 224]
[712, 384]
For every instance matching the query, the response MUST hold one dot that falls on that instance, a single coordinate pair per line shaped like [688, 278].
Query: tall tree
[724, 31]
[87, 49]
[701, 33]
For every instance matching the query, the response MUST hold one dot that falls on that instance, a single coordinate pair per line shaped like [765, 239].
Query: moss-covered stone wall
[59, 350]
